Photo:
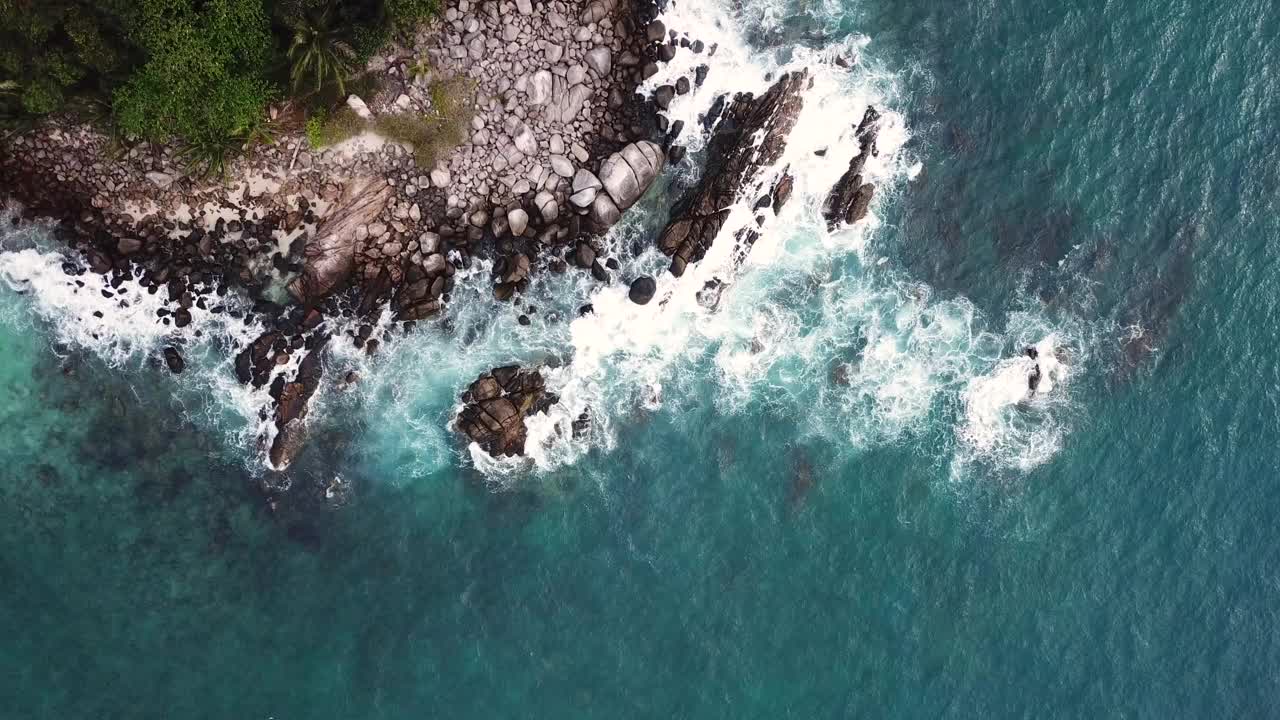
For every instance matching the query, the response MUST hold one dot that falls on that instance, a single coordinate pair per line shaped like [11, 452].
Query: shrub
[434, 135]
[205, 78]
[325, 130]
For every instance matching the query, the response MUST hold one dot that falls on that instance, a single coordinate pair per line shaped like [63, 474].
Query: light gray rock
[518, 220]
[547, 205]
[524, 7]
[584, 179]
[600, 60]
[440, 177]
[604, 213]
[554, 52]
[584, 197]
[540, 88]
[628, 173]
[160, 179]
[359, 107]
[428, 242]
[576, 75]
[596, 11]
[561, 165]
[434, 264]
[525, 141]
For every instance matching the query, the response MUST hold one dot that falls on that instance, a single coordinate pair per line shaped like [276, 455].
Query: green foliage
[205, 77]
[196, 71]
[208, 156]
[54, 50]
[323, 131]
[320, 53]
[405, 14]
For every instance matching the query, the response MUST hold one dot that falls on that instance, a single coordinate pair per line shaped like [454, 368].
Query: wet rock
[174, 360]
[750, 136]
[642, 290]
[291, 408]
[496, 406]
[850, 199]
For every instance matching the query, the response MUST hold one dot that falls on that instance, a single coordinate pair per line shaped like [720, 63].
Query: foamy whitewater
[824, 323]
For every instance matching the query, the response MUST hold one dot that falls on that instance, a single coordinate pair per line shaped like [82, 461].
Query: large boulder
[496, 405]
[627, 174]
[330, 254]
[642, 290]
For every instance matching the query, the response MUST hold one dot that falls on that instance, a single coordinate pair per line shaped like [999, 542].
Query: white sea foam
[125, 332]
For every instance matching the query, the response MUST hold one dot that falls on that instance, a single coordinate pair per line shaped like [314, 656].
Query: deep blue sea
[827, 497]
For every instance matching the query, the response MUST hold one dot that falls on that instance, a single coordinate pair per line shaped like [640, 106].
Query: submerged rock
[496, 406]
[174, 360]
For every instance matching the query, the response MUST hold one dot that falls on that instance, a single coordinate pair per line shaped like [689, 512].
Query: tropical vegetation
[200, 73]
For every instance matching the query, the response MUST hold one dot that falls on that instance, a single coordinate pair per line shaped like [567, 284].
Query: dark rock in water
[598, 272]
[1033, 380]
[850, 198]
[496, 406]
[642, 290]
[174, 360]
[586, 310]
[584, 256]
[128, 246]
[1031, 352]
[782, 191]
[291, 408]
[182, 317]
[750, 135]
[98, 263]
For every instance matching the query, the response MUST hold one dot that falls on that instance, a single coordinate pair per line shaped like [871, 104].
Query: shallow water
[746, 533]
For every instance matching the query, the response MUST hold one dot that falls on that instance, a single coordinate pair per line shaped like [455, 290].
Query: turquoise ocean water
[748, 532]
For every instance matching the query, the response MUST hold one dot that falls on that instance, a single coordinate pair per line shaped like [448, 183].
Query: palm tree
[319, 53]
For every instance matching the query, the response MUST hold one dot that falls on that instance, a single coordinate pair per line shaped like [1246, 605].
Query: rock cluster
[749, 136]
[291, 406]
[496, 405]
[850, 198]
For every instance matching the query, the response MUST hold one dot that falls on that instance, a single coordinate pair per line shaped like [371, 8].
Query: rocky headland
[558, 146]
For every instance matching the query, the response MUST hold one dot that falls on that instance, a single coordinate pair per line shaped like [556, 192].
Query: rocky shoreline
[321, 241]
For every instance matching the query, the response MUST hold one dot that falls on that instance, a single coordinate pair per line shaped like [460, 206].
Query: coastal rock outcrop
[750, 136]
[330, 254]
[496, 406]
[850, 198]
[291, 408]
